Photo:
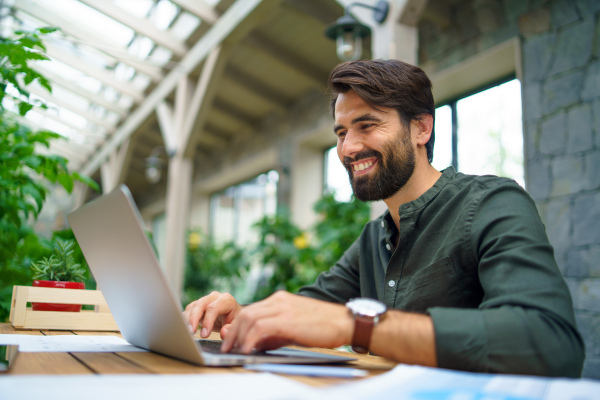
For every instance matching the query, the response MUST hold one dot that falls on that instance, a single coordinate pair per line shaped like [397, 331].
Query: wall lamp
[348, 32]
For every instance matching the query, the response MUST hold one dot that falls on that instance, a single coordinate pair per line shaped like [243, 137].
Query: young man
[460, 266]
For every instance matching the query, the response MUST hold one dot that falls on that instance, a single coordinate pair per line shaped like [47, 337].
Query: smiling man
[457, 273]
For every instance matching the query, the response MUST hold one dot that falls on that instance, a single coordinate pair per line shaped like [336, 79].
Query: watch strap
[363, 328]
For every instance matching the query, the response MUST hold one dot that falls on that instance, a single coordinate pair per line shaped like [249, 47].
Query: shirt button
[387, 246]
[391, 283]
[383, 224]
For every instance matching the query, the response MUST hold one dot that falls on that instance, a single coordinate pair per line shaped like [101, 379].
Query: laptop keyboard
[210, 346]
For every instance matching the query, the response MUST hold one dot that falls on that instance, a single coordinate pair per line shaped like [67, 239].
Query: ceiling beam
[44, 94]
[235, 23]
[139, 25]
[58, 80]
[200, 9]
[97, 137]
[105, 76]
[85, 36]
[273, 97]
[282, 54]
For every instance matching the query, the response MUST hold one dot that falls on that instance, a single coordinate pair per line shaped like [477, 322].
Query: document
[221, 386]
[415, 382]
[69, 343]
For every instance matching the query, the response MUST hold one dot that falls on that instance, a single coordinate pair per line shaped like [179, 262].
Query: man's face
[375, 148]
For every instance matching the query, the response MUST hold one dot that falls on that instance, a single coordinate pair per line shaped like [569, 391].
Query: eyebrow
[362, 118]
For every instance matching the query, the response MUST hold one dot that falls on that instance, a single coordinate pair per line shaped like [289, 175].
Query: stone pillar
[561, 115]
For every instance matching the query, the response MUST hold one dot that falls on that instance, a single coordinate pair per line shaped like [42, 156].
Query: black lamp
[348, 32]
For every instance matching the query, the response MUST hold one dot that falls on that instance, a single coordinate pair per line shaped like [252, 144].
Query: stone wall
[560, 42]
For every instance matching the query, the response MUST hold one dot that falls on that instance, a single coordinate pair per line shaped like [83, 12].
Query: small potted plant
[58, 271]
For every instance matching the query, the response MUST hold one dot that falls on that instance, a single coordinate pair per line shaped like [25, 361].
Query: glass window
[237, 208]
[336, 177]
[490, 133]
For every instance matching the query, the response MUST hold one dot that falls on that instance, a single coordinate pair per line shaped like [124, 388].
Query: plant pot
[56, 306]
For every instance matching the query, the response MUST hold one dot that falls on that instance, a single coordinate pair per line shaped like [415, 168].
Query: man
[462, 263]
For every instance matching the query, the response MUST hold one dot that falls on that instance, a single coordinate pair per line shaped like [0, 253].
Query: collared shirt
[473, 254]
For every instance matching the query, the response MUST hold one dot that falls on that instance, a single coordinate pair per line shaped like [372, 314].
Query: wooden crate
[23, 317]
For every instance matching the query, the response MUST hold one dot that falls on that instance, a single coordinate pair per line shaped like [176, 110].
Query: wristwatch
[367, 313]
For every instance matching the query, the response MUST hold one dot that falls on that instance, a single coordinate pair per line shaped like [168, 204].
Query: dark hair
[387, 83]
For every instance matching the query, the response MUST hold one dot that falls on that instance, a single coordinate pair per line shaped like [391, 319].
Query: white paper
[69, 343]
[150, 387]
[414, 382]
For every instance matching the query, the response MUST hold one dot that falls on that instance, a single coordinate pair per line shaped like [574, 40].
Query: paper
[309, 370]
[69, 343]
[150, 387]
[414, 382]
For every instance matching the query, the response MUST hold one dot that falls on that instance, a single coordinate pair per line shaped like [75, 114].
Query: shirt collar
[425, 198]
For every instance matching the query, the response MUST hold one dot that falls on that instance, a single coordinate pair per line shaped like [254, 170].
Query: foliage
[60, 266]
[292, 257]
[296, 260]
[211, 266]
[15, 55]
[285, 249]
[340, 224]
[25, 171]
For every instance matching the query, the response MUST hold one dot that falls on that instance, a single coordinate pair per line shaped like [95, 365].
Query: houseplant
[58, 271]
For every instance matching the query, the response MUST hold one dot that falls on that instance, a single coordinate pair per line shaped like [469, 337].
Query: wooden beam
[139, 25]
[98, 137]
[43, 93]
[179, 189]
[72, 87]
[199, 8]
[234, 23]
[104, 76]
[112, 170]
[166, 122]
[79, 31]
[315, 75]
[277, 99]
[206, 90]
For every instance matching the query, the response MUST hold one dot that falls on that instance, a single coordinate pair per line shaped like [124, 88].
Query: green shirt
[473, 254]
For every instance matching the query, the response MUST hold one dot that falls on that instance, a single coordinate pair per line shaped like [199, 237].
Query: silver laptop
[148, 314]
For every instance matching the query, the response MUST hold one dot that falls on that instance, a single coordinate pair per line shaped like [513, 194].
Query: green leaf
[24, 108]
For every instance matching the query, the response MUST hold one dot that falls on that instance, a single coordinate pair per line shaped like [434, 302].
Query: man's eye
[366, 126]
[341, 135]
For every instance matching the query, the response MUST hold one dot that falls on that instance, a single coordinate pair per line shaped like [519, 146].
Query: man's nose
[352, 144]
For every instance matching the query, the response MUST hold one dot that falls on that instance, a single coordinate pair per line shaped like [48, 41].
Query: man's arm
[284, 318]
[525, 323]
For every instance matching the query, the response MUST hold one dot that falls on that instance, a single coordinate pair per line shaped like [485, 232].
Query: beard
[394, 168]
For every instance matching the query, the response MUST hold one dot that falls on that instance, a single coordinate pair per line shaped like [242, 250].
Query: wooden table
[151, 363]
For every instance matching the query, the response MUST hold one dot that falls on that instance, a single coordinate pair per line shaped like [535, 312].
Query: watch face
[367, 307]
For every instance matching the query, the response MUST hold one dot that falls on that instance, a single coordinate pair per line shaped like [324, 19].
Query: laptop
[110, 233]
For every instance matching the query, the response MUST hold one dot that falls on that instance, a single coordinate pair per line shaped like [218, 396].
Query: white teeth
[362, 166]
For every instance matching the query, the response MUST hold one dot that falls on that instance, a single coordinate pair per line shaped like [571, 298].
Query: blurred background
[215, 115]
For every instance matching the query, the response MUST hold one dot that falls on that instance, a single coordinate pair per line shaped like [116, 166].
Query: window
[482, 133]
[237, 208]
[336, 177]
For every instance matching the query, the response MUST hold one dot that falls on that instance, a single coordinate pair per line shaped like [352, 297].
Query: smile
[363, 165]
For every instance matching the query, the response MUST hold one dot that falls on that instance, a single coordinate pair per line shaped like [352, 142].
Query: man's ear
[422, 128]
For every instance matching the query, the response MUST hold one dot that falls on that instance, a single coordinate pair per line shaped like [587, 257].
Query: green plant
[25, 171]
[60, 266]
[212, 266]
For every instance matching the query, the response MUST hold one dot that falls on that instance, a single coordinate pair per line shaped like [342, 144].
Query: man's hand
[214, 312]
[285, 318]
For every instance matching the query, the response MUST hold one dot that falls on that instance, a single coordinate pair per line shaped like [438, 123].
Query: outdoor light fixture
[154, 164]
[348, 32]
